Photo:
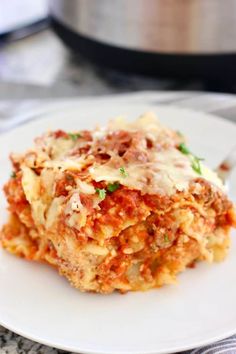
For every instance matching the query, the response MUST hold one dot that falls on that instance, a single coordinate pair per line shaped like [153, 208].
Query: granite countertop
[39, 68]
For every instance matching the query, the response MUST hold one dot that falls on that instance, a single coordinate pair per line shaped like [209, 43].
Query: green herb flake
[13, 174]
[196, 166]
[184, 149]
[166, 238]
[101, 193]
[123, 172]
[74, 136]
[112, 187]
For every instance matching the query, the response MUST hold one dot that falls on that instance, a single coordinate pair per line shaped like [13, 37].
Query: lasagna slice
[124, 207]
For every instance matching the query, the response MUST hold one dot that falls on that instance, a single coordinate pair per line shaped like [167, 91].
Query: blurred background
[62, 48]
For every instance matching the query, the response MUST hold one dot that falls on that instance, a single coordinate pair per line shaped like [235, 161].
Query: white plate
[39, 304]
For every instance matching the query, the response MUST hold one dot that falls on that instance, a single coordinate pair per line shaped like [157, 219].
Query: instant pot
[171, 38]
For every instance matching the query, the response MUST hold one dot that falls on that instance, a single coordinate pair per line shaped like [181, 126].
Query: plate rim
[42, 113]
[44, 116]
[177, 349]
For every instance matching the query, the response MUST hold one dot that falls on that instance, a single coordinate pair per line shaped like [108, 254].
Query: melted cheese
[167, 172]
[147, 123]
[60, 147]
[65, 164]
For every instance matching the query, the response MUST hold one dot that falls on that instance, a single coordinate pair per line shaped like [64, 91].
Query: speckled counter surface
[11, 343]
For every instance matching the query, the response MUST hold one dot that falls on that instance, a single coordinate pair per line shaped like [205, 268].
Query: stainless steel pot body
[156, 26]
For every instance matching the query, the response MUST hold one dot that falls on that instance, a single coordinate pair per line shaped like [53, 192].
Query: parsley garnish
[196, 166]
[123, 172]
[74, 136]
[101, 193]
[13, 174]
[166, 238]
[112, 187]
[183, 148]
